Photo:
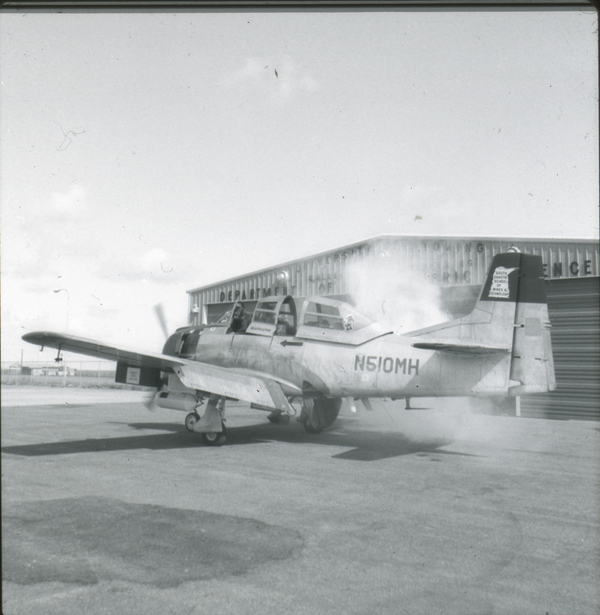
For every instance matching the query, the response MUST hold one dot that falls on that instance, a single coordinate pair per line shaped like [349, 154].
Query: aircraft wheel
[310, 428]
[320, 413]
[213, 438]
[190, 420]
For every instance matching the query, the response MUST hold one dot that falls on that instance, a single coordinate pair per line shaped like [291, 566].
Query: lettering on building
[574, 269]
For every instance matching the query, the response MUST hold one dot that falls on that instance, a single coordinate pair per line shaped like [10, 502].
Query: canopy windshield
[330, 320]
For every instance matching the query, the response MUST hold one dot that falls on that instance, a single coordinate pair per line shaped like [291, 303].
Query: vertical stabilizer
[510, 317]
[491, 323]
[532, 366]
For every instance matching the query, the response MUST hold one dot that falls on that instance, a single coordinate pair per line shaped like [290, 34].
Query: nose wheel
[210, 422]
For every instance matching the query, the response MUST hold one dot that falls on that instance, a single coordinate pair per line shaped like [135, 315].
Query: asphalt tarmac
[107, 508]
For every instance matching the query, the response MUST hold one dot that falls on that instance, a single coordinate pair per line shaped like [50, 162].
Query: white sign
[133, 375]
[499, 288]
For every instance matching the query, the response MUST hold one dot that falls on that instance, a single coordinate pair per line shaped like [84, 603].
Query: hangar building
[457, 266]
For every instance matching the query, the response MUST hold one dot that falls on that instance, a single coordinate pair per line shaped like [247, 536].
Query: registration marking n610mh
[385, 364]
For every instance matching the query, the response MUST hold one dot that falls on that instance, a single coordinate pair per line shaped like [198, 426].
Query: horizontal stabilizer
[460, 348]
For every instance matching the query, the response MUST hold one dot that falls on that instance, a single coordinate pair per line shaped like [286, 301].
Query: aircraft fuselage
[387, 366]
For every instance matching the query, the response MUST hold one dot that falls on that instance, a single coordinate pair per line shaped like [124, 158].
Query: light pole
[64, 379]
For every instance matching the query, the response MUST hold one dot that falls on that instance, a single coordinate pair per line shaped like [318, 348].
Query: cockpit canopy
[330, 320]
[320, 319]
[274, 316]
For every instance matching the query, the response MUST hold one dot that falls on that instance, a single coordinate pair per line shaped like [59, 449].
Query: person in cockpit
[283, 327]
[240, 319]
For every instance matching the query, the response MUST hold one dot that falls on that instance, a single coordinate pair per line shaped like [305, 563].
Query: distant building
[18, 369]
[53, 370]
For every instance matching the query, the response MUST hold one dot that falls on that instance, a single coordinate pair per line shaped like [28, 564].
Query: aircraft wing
[92, 348]
[460, 347]
[252, 387]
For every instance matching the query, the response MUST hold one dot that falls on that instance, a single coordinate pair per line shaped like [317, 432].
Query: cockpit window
[224, 319]
[341, 317]
[265, 312]
[321, 308]
[323, 316]
[274, 316]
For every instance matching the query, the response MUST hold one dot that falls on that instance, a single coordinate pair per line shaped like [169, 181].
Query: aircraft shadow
[364, 445]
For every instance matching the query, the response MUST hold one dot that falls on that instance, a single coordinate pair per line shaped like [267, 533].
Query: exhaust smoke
[402, 299]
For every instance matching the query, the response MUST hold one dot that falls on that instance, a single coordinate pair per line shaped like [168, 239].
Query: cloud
[68, 205]
[280, 77]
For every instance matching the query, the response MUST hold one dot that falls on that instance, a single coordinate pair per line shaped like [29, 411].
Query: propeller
[150, 402]
[159, 310]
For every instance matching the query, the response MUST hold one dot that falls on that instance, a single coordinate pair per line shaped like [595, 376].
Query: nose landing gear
[190, 420]
[212, 423]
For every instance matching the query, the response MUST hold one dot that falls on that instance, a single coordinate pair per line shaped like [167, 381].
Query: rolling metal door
[574, 309]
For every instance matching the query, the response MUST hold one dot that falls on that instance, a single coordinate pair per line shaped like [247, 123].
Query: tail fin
[510, 316]
[532, 365]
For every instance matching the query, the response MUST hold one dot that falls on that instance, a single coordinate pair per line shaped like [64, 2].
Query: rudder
[532, 365]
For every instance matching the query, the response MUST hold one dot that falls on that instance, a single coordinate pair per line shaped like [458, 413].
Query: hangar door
[574, 309]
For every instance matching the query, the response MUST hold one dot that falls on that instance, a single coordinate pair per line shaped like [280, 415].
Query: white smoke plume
[402, 299]
[405, 300]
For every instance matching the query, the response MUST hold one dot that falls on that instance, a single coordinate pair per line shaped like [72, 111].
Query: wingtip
[39, 337]
[31, 337]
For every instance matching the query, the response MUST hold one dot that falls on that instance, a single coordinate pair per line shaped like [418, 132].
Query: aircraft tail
[511, 318]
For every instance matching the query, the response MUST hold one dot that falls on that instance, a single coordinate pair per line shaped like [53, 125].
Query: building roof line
[375, 238]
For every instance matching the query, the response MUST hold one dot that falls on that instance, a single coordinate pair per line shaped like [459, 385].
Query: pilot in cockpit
[283, 327]
[240, 319]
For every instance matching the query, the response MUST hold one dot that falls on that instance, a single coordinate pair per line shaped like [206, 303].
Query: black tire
[310, 428]
[320, 413]
[190, 420]
[213, 438]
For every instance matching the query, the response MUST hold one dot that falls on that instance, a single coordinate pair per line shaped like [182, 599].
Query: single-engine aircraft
[304, 363]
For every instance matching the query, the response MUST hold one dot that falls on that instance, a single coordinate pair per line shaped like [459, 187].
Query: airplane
[305, 362]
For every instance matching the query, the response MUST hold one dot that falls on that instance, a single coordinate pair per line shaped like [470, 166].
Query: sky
[146, 154]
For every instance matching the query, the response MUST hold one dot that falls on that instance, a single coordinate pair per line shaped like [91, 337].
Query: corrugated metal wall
[574, 309]
[444, 261]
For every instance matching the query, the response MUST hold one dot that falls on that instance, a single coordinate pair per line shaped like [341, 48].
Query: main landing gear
[319, 413]
[212, 423]
[213, 438]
